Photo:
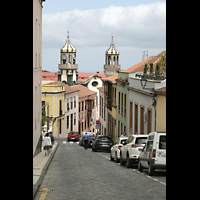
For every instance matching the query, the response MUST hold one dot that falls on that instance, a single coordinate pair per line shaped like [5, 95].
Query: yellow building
[53, 99]
[161, 109]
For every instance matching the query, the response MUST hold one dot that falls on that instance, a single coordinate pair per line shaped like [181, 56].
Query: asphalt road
[78, 174]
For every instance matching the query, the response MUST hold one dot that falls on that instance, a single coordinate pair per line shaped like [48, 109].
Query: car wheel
[116, 159]
[111, 158]
[121, 161]
[95, 150]
[140, 168]
[129, 162]
[150, 170]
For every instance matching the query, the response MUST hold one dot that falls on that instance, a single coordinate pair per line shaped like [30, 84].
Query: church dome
[68, 47]
[112, 49]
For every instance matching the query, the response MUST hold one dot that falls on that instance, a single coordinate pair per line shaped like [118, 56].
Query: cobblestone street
[75, 173]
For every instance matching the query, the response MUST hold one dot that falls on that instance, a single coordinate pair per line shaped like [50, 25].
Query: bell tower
[68, 64]
[112, 60]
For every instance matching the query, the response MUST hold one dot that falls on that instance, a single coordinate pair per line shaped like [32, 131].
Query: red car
[72, 136]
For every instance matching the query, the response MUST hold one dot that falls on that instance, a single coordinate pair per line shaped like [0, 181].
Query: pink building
[37, 75]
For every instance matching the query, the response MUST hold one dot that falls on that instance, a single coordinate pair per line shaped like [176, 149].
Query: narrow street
[78, 174]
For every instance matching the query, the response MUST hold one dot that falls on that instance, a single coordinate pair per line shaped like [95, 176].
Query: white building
[142, 119]
[71, 106]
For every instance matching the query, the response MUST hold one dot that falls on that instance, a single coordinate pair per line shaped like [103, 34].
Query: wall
[101, 117]
[160, 113]
[37, 75]
[70, 111]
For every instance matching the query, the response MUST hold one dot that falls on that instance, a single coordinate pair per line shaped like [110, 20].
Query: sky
[136, 26]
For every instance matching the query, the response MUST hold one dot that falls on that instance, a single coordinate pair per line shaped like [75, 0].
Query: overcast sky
[136, 25]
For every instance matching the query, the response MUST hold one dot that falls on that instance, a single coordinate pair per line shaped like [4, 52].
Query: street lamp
[143, 81]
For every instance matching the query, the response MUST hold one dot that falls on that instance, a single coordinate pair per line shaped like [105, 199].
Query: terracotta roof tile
[83, 91]
[101, 89]
[82, 76]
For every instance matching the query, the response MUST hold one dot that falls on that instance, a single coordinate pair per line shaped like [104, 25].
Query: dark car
[91, 138]
[73, 136]
[102, 142]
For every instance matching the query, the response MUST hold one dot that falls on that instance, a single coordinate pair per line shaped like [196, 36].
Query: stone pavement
[40, 166]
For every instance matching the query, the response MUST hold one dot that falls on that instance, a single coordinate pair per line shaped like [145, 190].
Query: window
[100, 105]
[131, 118]
[141, 119]
[122, 105]
[74, 101]
[136, 119]
[119, 103]
[149, 146]
[67, 122]
[125, 106]
[71, 102]
[149, 117]
[74, 118]
[162, 142]
[94, 83]
[67, 104]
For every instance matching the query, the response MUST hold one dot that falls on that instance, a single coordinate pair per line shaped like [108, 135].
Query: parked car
[131, 149]
[91, 138]
[74, 136]
[115, 149]
[91, 135]
[102, 142]
[153, 155]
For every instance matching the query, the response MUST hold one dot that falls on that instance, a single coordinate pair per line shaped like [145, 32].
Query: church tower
[68, 64]
[112, 60]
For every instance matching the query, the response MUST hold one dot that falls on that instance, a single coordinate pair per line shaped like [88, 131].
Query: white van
[153, 155]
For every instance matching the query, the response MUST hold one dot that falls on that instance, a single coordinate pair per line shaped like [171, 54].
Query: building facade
[71, 104]
[37, 75]
[53, 105]
[142, 105]
[87, 109]
[102, 112]
[122, 104]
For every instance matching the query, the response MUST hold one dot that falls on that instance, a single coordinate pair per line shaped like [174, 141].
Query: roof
[68, 47]
[161, 91]
[101, 89]
[83, 91]
[139, 67]
[83, 76]
[112, 49]
[49, 76]
[59, 83]
[70, 89]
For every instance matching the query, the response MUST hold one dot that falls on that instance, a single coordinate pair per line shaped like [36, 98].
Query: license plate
[72, 138]
[105, 145]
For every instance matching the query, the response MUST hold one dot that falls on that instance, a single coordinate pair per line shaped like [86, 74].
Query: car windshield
[162, 142]
[104, 138]
[73, 133]
[91, 136]
[141, 140]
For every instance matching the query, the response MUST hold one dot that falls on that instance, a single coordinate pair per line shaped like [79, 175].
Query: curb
[44, 170]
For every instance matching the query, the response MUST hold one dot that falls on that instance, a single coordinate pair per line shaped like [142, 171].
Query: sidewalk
[40, 166]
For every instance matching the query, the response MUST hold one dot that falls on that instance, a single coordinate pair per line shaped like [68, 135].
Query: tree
[151, 68]
[145, 69]
[157, 72]
[162, 64]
